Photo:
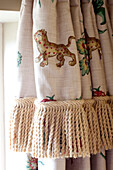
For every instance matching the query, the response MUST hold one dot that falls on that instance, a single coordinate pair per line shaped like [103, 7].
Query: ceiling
[10, 5]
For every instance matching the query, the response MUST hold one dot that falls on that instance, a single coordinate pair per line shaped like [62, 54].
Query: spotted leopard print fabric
[65, 52]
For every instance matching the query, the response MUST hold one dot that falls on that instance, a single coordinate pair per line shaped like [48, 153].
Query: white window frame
[5, 17]
[2, 115]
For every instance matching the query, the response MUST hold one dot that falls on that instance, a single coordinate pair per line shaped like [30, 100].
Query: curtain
[65, 53]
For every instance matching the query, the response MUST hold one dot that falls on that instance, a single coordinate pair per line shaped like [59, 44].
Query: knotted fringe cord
[93, 127]
[74, 128]
[20, 123]
[105, 119]
[110, 101]
[60, 130]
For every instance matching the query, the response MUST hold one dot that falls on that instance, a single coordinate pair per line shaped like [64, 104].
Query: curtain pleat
[77, 20]
[84, 72]
[110, 10]
[60, 22]
[98, 162]
[78, 164]
[25, 73]
[107, 48]
[109, 159]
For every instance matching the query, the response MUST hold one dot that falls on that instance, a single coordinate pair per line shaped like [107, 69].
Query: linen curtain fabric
[65, 53]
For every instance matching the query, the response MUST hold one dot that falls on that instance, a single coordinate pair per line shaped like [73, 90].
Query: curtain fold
[79, 163]
[65, 52]
[110, 11]
[25, 73]
[98, 161]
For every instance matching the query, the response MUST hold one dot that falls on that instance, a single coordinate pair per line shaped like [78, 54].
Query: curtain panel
[63, 112]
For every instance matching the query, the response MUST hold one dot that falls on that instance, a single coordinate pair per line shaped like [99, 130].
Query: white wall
[14, 161]
[10, 55]
[2, 126]
[9, 16]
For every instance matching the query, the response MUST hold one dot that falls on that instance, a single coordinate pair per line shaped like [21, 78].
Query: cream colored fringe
[74, 128]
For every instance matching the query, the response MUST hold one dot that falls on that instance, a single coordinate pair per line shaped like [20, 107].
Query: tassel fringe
[73, 128]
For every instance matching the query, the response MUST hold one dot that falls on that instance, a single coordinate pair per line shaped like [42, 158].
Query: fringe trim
[73, 128]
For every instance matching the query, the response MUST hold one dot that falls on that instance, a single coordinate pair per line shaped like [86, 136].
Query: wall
[2, 126]
[12, 5]
[14, 161]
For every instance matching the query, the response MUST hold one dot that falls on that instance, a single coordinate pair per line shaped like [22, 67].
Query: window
[8, 52]
[2, 125]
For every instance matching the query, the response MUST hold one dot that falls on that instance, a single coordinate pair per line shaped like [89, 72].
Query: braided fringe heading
[74, 128]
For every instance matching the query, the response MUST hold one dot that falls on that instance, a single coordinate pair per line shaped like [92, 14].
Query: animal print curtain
[65, 52]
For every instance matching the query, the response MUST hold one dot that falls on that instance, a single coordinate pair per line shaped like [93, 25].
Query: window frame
[5, 17]
[2, 115]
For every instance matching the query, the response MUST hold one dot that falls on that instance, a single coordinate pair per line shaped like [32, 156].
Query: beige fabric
[61, 129]
[78, 30]
[77, 20]
[25, 72]
[98, 162]
[110, 9]
[61, 19]
[78, 164]
[51, 79]
[109, 159]
[97, 69]
[107, 50]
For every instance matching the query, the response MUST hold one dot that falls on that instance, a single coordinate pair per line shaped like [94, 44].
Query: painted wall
[11, 5]
[2, 127]
[14, 161]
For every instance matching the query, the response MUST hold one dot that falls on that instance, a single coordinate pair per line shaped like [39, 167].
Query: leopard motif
[49, 49]
[92, 44]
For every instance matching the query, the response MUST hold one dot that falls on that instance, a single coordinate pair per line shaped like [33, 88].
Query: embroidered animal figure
[49, 49]
[92, 45]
